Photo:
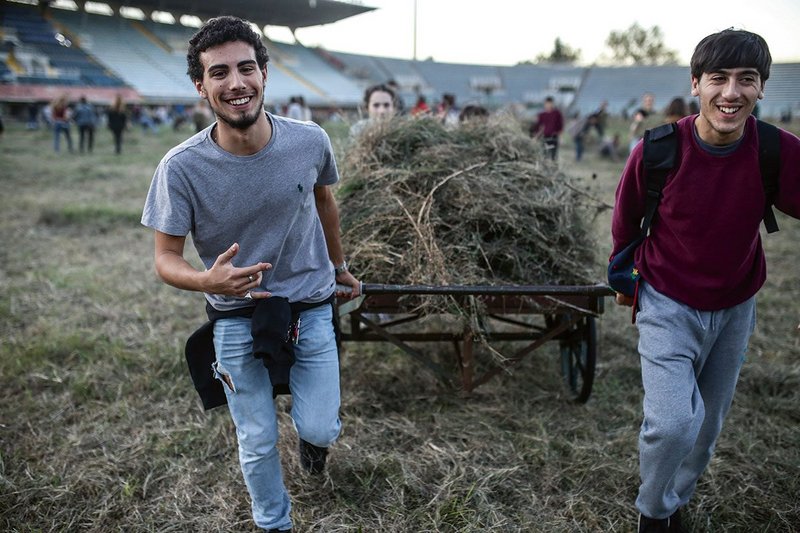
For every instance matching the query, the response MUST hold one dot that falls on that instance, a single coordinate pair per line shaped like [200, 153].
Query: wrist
[341, 268]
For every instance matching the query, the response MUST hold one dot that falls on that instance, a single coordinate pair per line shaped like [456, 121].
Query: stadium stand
[323, 83]
[531, 84]
[155, 72]
[782, 95]
[46, 56]
[623, 87]
[98, 55]
[468, 83]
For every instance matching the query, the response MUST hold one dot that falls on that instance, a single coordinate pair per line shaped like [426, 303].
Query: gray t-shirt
[264, 201]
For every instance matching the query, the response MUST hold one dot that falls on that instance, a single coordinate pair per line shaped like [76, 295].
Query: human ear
[695, 83]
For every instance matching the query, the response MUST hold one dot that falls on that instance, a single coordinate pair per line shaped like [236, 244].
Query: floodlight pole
[415, 30]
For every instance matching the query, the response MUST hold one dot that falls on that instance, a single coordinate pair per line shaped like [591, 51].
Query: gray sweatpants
[690, 365]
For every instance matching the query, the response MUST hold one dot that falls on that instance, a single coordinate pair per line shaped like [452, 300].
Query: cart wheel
[579, 357]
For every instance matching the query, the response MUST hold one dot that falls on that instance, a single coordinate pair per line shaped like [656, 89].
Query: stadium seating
[622, 87]
[50, 58]
[157, 73]
[102, 51]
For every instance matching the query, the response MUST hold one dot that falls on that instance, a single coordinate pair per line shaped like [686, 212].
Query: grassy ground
[101, 430]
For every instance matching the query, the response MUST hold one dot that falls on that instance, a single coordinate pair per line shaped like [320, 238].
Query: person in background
[675, 111]
[447, 111]
[33, 116]
[421, 107]
[639, 121]
[598, 119]
[548, 126]
[701, 266]
[472, 112]
[201, 116]
[297, 109]
[86, 120]
[579, 128]
[117, 120]
[60, 116]
[379, 100]
[254, 191]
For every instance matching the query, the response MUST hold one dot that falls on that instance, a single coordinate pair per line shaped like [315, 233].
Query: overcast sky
[505, 32]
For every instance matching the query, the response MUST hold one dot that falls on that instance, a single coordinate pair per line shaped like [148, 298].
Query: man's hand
[346, 278]
[224, 278]
[625, 300]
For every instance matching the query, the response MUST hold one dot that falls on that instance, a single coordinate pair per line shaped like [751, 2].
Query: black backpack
[660, 155]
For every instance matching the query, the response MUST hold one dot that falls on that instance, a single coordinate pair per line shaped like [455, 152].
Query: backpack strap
[769, 161]
[660, 156]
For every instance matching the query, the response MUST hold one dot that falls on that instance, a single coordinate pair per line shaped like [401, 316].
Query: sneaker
[279, 531]
[312, 458]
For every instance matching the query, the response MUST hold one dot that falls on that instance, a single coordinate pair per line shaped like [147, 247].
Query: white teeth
[728, 109]
[239, 101]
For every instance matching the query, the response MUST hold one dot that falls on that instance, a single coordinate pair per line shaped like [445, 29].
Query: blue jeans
[690, 365]
[314, 381]
[58, 128]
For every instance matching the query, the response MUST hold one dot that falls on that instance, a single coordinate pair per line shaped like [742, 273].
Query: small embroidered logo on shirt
[634, 273]
[299, 187]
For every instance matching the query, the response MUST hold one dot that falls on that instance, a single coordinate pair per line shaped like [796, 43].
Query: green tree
[638, 45]
[562, 53]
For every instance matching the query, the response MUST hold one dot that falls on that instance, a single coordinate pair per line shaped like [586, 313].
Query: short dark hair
[218, 31]
[731, 48]
[380, 87]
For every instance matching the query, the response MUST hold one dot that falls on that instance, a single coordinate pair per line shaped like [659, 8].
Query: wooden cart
[528, 314]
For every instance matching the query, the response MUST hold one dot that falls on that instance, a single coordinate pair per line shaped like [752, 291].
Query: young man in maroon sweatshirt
[700, 268]
[549, 125]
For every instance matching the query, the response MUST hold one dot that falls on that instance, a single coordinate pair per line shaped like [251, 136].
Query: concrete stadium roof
[290, 13]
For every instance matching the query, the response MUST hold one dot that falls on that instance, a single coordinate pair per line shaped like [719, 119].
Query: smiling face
[233, 84]
[727, 97]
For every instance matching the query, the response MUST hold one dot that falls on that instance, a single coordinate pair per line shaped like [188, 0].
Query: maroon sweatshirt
[549, 123]
[704, 248]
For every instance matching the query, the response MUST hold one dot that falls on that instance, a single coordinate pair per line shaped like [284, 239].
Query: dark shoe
[675, 523]
[279, 531]
[312, 458]
[653, 525]
[665, 525]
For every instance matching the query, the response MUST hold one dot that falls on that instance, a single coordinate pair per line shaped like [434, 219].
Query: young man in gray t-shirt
[254, 191]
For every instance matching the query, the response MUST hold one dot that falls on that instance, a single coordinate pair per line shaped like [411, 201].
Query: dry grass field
[101, 429]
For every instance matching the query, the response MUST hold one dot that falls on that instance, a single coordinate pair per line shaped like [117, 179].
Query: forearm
[329, 218]
[174, 270]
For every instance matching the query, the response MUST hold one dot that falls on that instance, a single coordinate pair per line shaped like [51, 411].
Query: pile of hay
[422, 204]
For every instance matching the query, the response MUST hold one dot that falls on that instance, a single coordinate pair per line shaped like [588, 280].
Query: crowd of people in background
[60, 114]
[384, 100]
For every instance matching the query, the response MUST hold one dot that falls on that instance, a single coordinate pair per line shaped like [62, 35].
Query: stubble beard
[243, 121]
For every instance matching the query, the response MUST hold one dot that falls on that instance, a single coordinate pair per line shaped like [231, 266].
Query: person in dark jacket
[117, 122]
[85, 118]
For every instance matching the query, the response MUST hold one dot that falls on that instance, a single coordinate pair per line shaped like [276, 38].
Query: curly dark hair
[731, 48]
[218, 31]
